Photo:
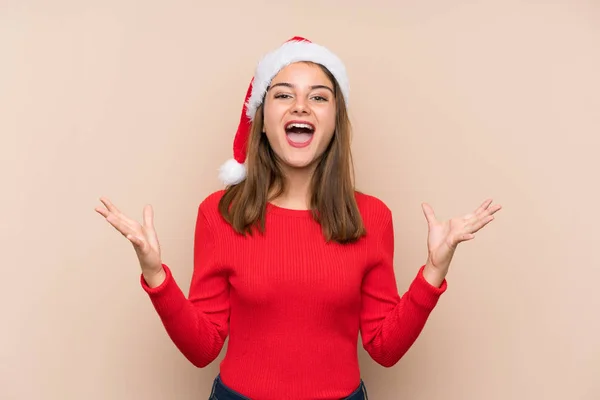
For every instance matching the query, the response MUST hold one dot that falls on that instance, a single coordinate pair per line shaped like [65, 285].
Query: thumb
[428, 212]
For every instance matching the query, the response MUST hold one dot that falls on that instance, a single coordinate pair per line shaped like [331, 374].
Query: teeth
[296, 125]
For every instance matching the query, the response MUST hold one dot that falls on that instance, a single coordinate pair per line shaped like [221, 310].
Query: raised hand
[142, 236]
[444, 236]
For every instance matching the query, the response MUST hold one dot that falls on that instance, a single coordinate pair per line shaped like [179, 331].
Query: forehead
[302, 73]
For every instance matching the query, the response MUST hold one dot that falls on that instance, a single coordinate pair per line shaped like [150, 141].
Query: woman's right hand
[142, 237]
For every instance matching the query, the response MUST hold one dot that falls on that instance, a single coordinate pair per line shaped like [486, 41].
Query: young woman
[290, 261]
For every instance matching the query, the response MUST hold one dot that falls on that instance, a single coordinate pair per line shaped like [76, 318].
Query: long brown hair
[332, 202]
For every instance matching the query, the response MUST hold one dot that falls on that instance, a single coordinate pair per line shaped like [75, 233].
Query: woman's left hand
[444, 237]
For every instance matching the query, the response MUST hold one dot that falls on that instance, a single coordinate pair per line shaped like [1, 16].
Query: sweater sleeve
[197, 325]
[390, 324]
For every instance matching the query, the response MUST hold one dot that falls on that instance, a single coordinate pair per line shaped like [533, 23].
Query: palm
[143, 237]
[444, 236]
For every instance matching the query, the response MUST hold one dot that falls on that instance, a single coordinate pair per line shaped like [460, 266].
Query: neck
[297, 189]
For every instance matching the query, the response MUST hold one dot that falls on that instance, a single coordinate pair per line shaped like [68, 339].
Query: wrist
[155, 278]
[433, 275]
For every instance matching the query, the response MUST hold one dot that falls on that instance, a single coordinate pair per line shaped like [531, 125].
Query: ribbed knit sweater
[293, 304]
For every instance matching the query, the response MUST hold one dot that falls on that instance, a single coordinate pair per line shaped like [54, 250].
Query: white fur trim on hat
[288, 53]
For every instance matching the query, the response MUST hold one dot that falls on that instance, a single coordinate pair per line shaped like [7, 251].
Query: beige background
[452, 102]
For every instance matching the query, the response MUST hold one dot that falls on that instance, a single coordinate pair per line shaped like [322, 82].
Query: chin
[293, 158]
[299, 163]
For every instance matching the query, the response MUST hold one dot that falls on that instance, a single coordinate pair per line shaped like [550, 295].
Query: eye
[282, 96]
[320, 98]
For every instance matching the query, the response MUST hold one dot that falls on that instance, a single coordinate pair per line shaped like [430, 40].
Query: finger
[136, 241]
[102, 211]
[466, 237]
[495, 209]
[480, 223]
[484, 206]
[109, 205]
[482, 213]
[458, 238]
[113, 209]
[148, 217]
[488, 212]
[429, 213]
[119, 224]
[149, 226]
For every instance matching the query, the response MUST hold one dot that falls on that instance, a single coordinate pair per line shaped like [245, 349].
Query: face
[300, 114]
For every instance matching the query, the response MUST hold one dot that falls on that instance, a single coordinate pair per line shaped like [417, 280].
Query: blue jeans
[222, 392]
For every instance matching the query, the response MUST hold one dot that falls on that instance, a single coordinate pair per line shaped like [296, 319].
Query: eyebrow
[313, 87]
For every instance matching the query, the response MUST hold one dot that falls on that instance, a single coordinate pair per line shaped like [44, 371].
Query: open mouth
[299, 133]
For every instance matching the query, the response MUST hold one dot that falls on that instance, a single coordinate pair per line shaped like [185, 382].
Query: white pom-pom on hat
[296, 49]
[232, 172]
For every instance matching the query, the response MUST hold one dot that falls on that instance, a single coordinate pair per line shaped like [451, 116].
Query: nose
[300, 107]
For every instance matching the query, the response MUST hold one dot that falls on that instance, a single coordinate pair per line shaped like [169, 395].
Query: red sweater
[292, 304]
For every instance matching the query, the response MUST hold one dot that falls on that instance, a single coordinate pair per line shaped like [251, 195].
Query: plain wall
[452, 102]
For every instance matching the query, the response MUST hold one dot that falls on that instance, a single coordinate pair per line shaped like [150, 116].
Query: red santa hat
[296, 49]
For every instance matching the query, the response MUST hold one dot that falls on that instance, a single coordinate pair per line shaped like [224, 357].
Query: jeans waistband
[222, 392]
